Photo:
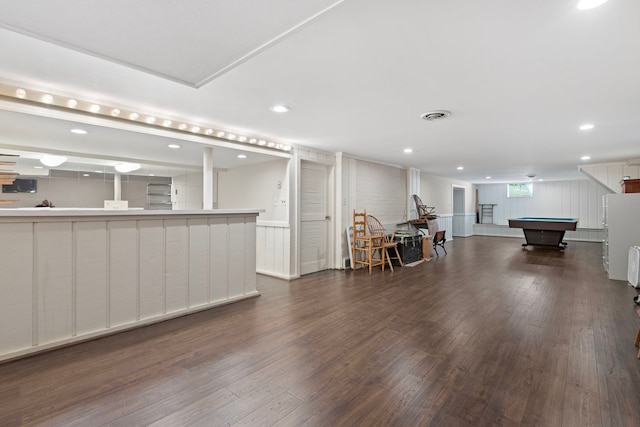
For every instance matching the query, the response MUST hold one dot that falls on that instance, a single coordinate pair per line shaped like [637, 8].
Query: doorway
[459, 215]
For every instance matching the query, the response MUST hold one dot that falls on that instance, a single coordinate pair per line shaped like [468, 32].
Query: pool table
[544, 231]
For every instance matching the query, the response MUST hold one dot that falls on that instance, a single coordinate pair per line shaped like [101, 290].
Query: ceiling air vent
[436, 115]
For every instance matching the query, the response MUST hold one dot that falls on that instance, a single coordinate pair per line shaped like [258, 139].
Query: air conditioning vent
[435, 115]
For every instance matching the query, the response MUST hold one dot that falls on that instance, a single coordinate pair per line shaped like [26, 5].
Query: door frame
[331, 212]
[454, 231]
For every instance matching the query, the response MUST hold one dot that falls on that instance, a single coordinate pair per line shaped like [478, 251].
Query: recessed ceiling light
[589, 4]
[174, 146]
[408, 150]
[279, 108]
[586, 126]
[540, 179]
[85, 174]
[47, 99]
[585, 158]
[38, 167]
[79, 131]
[460, 168]
[52, 161]
[72, 103]
[126, 167]
[487, 177]
[95, 108]
[242, 156]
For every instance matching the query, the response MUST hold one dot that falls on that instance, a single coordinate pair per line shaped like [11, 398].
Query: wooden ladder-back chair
[386, 241]
[365, 246]
[438, 240]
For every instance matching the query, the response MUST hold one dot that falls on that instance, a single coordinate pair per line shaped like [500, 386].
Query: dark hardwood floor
[488, 335]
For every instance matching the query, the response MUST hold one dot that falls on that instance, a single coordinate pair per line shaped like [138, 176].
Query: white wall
[186, 191]
[580, 199]
[610, 174]
[382, 191]
[256, 187]
[438, 191]
[67, 189]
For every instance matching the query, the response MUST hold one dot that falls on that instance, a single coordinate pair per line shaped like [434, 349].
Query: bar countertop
[95, 212]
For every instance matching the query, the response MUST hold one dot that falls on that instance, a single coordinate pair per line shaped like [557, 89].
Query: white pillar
[117, 187]
[207, 178]
[413, 187]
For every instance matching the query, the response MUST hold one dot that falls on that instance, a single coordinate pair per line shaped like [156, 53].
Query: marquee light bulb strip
[93, 108]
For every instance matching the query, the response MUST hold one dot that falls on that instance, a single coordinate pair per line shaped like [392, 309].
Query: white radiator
[634, 263]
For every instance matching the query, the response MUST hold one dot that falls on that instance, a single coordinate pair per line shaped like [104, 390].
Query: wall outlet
[283, 203]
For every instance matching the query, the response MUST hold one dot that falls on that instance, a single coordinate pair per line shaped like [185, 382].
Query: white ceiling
[518, 77]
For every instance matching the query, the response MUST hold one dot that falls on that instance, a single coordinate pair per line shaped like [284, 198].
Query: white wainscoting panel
[463, 224]
[199, 256]
[74, 277]
[123, 272]
[219, 284]
[445, 222]
[17, 291]
[273, 256]
[54, 281]
[176, 265]
[91, 276]
[151, 248]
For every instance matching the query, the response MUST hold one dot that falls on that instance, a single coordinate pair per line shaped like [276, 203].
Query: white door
[314, 218]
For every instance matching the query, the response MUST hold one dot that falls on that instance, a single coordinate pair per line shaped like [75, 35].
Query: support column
[207, 178]
[413, 187]
[117, 186]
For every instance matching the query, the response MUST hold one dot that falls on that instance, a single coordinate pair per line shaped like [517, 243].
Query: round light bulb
[589, 4]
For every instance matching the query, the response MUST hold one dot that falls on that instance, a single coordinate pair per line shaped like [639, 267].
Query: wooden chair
[365, 246]
[424, 212]
[387, 242]
[438, 240]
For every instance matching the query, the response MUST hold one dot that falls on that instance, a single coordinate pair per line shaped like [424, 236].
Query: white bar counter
[68, 275]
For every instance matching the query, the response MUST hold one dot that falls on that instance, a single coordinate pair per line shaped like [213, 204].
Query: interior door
[314, 218]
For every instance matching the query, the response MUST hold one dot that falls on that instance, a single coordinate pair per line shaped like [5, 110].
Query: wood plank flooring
[488, 335]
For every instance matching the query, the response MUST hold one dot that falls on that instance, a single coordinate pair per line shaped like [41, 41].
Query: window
[520, 190]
